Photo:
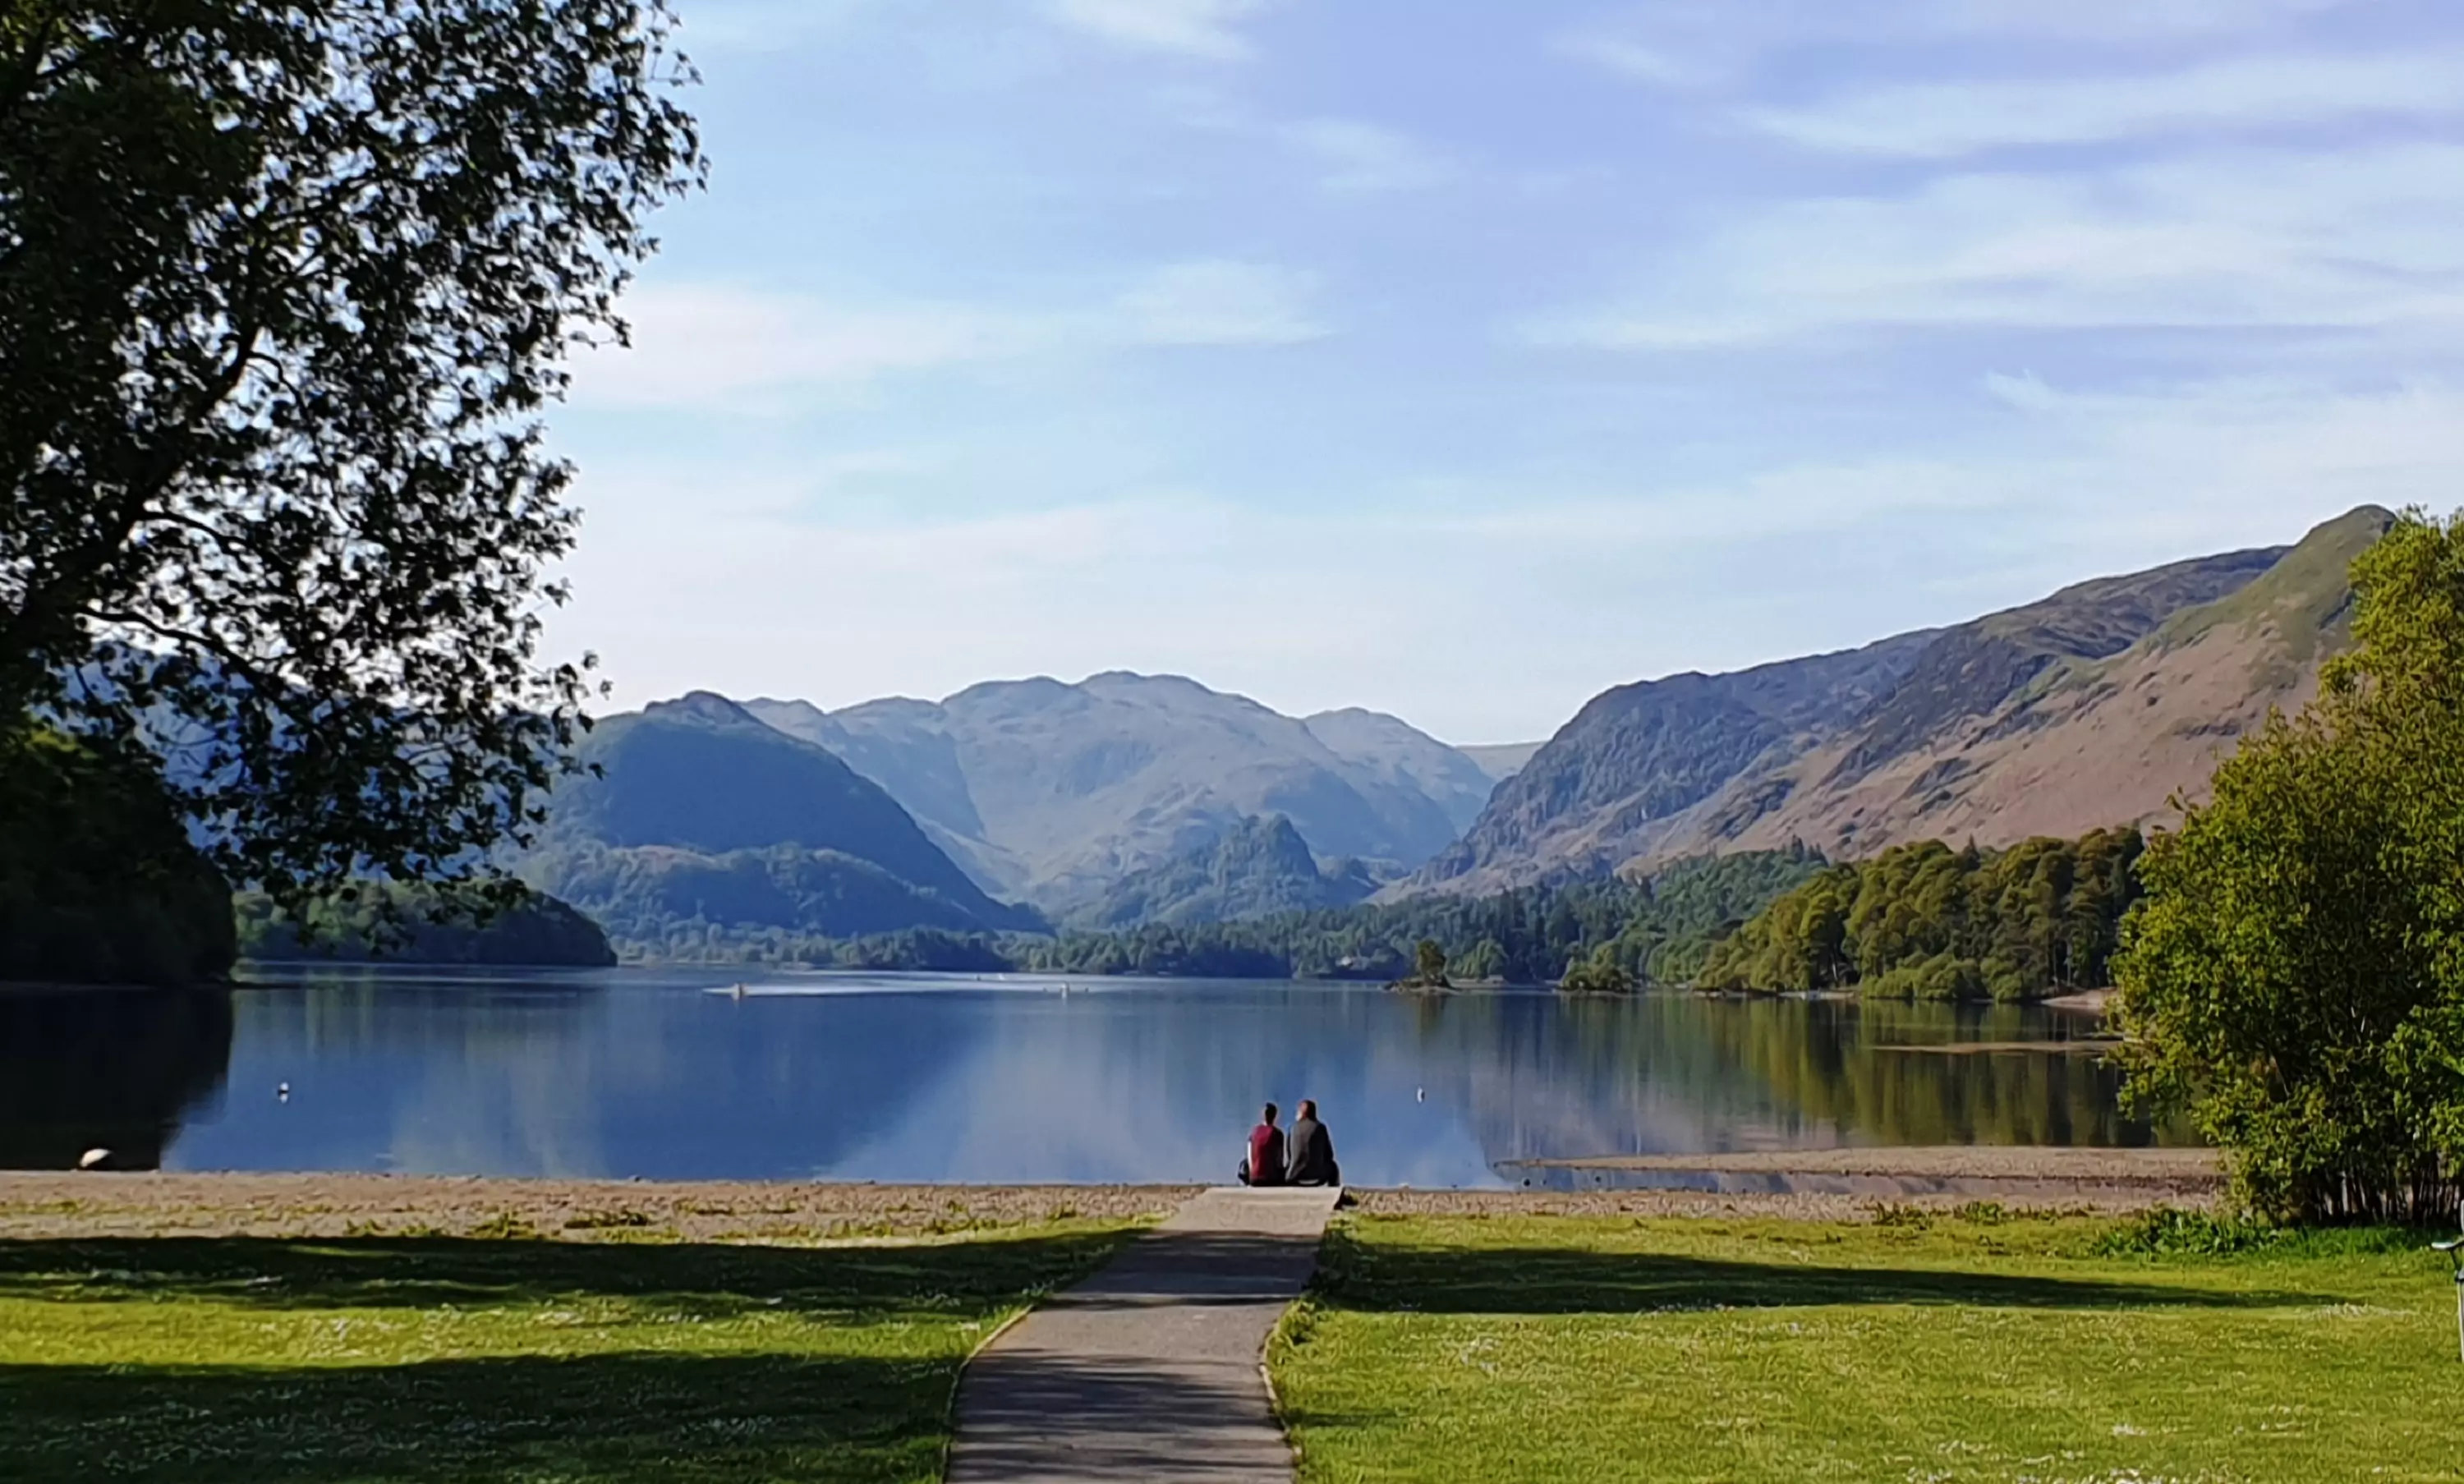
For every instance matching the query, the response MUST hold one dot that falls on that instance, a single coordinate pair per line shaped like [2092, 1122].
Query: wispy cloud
[721, 346]
[2265, 93]
[1696, 43]
[1220, 303]
[2358, 239]
[1353, 156]
[1631, 578]
[729, 348]
[1207, 30]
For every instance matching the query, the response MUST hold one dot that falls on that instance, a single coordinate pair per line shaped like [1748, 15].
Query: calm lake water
[650, 1073]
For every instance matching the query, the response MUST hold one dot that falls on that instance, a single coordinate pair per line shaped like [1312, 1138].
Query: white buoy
[282, 1092]
[94, 1159]
[1423, 1095]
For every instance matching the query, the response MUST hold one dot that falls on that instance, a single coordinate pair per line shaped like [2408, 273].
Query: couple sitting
[1312, 1149]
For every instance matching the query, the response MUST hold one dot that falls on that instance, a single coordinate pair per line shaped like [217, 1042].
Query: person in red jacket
[1264, 1165]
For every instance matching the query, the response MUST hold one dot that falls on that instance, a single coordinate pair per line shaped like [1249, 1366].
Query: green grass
[1982, 1347]
[386, 1361]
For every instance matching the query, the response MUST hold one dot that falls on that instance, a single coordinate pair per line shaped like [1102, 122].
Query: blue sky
[1463, 360]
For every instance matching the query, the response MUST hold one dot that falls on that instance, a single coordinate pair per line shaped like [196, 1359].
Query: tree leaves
[2294, 976]
[283, 290]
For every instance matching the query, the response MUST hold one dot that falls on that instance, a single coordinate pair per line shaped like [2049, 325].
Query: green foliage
[98, 883]
[284, 291]
[1598, 975]
[2169, 1232]
[2296, 976]
[1925, 921]
[374, 921]
[1428, 966]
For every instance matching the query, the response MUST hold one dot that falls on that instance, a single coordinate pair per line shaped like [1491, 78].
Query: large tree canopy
[2294, 976]
[285, 286]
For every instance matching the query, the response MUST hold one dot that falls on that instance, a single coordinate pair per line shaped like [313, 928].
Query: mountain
[1259, 867]
[2091, 707]
[1502, 760]
[700, 812]
[1056, 791]
[1402, 757]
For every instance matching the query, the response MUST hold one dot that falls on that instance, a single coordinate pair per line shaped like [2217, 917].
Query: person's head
[1269, 1115]
[1309, 1107]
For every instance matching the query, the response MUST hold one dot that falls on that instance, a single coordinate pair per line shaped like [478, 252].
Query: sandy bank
[47, 1206]
[330, 1205]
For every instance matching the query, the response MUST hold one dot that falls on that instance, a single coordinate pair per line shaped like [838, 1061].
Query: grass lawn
[397, 1360]
[1914, 1350]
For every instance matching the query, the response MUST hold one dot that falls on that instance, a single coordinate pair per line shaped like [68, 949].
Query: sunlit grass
[386, 1361]
[1937, 1349]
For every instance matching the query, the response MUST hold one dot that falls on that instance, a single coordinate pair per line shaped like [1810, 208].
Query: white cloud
[2361, 239]
[1354, 156]
[1693, 43]
[1207, 30]
[1944, 119]
[1220, 302]
[1287, 602]
[723, 347]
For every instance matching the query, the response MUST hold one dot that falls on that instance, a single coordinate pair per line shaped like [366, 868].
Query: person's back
[1264, 1165]
[1312, 1160]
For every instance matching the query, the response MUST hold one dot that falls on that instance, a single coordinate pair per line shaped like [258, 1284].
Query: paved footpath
[1150, 1369]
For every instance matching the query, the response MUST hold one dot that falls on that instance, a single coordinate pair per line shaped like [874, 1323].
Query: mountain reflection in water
[854, 1078]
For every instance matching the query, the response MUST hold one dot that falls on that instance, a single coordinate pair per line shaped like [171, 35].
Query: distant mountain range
[1127, 799]
[1057, 793]
[2092, 708]
[701, 816]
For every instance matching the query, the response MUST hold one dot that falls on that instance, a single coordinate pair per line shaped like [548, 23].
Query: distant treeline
[1927, 922]
[1660, 930]
[405, 925]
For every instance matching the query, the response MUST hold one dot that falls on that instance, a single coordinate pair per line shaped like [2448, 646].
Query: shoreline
[38, 1206]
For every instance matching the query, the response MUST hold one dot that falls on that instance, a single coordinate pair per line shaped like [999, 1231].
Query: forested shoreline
[1659, 931]
[1919, 922]
[1927, 922]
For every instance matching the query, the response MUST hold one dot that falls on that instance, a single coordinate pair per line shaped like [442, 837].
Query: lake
[669, 1073]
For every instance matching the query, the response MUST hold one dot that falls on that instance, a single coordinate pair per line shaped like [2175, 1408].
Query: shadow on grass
[753, 1402]
[1376, 1276]
[628, 1418]
[710, 1281]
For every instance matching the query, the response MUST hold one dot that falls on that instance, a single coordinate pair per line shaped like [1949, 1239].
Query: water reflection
[628, 1073]
[110, 1069]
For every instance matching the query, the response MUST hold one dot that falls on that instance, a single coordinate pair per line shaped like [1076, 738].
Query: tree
[285, 286]
[1600, 973]
[1429, 965]
[2294, 976]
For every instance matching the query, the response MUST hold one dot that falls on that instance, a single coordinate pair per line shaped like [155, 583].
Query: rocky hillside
[1057, 791]
[1260, 867]
[703, 813]
[2089, 709]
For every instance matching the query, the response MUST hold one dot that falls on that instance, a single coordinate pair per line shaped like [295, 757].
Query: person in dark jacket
[1312, 1149]
[1264, 1165]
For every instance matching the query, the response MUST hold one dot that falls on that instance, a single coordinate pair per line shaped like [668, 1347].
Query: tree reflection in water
[114, 1069]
